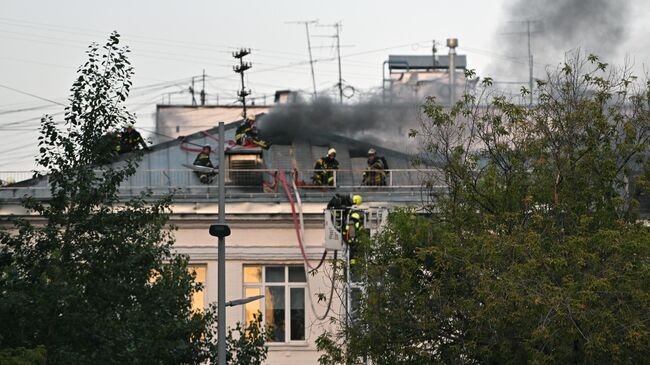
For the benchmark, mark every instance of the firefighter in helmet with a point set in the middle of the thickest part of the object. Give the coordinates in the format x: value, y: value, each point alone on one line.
x: 130, y: 140
x: 354, y: 229
x: 203, y: 159
x: 340, y: 205
x: 323, y: 170
x: 246, y: 133
x: 375, y: 174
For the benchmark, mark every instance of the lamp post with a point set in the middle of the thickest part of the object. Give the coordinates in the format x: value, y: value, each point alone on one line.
x: 221, y: 230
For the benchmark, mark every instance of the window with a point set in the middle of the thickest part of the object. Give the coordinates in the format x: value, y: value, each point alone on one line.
x: 198, y: 297
x: 283, y: 305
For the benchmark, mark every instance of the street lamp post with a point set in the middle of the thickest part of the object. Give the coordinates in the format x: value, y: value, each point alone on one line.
x: 221, y: 230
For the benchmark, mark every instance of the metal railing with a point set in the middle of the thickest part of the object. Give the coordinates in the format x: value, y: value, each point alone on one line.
x: 186, y: 181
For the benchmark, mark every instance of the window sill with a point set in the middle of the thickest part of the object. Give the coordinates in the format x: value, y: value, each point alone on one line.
x: 288, y: 346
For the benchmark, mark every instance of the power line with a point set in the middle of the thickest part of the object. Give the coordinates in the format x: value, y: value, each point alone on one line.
x: 30, y: 94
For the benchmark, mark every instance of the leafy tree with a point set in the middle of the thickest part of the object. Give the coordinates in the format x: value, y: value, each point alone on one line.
x: 530, y: 250
x: 94, y: 280
x: 23, y: 356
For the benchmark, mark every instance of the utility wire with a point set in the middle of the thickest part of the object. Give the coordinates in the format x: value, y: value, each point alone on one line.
x: 30, y: 94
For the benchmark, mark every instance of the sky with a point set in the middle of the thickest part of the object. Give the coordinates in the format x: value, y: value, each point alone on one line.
x: 43, y: 43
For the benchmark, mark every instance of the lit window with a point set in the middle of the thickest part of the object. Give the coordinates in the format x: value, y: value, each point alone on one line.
x: 283, y: 305
x: 198, y: 297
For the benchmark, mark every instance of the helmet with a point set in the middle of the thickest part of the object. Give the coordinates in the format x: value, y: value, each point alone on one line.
x: 356, y: 199
x: 331, y: 151
x: 372, y: 151
x: 251, y: 117
x: 355, y: 215
x: 207, y: 146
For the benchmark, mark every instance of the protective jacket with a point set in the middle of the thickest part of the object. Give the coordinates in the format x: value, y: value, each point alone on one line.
x: 375, y: 174
x: 247, y: 133
x: 246, y: 129
x: 130, y: 140
x: 353, y: 230
x: 340, y: 206
x: 203, y: 159
x: 323, y: 174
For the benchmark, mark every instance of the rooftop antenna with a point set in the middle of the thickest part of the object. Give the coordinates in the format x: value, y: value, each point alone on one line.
x: 240, y: 69
x: 192, y: 92
x: 338, y: 26
x: 529, y: 34
x: 433, y: 55
x: 311, y: 60
x: 202, y: 94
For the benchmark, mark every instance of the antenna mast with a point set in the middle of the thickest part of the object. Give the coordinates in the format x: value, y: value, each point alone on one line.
x: 240, y: 69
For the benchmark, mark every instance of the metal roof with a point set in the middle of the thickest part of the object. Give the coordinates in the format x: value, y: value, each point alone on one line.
x: 424, y: 62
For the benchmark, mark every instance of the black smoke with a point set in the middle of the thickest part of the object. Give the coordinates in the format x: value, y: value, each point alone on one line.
x: 324, y: 122
x: 557, y: 27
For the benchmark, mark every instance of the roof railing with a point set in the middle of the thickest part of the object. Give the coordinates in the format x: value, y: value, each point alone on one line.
x: 16, y: 184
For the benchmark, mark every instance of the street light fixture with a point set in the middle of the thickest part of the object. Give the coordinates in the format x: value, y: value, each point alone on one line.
x: 241, y: 301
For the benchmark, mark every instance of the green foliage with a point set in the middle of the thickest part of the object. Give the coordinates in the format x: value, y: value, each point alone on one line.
x: 246, y: 345
x: 94, y: 280
x: 23, y: 356
x: 533, y: 252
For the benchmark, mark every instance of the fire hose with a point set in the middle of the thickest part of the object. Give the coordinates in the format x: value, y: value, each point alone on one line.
x: 299, y: 234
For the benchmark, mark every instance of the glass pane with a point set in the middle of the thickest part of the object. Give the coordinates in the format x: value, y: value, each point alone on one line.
x: 253, y: 307
x: 297, y: 274
x: 275, y: 274
x: 297, y: 314
x: 274, y: 313
x: 198, y: 297
x: 252, y: 274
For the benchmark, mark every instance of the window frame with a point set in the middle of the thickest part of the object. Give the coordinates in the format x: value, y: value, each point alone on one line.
x: 287, y: 285
x: 203, y: 293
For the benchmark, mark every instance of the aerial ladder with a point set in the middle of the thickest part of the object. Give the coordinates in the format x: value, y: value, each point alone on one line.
x: 373, y: 220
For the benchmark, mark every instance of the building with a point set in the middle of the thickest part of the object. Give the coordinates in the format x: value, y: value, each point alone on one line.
x: 413, y: 77
x: 263, y: 253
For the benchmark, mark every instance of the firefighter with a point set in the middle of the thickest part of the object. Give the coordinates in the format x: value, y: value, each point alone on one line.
x: 375, y: 174
x: 353, y: 231
x: 323, y: 174
x: 246, y: 133
x: 340, y: 206
x: 130, y: 140
x: 203, y: 159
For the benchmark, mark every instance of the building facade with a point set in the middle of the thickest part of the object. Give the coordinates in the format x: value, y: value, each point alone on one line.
x: 277, y: 221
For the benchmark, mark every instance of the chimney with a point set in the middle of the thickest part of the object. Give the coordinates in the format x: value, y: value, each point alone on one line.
x: 452, y: 43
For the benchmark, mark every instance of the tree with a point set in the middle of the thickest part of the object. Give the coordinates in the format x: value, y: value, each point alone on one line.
x: 23, y: 356
x: 95, y: 281
x: 531, y: 249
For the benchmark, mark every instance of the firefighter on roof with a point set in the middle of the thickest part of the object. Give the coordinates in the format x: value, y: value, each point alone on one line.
x: 131, y: 140
x: 375, y: 173
x: 203, y: 159
x: 323, y: 174
x: 246, y: 134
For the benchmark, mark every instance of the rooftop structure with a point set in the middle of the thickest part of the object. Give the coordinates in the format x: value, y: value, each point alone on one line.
x: 269, y: 200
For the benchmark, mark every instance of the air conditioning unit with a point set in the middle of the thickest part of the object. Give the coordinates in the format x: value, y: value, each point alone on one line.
x: 244, y: 170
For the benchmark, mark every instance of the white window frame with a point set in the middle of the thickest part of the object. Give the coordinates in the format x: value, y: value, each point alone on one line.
x: 287, y: 299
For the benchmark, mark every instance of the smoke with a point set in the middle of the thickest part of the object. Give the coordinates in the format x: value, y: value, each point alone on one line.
x: 324, y: 121
x: 557, y: 26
